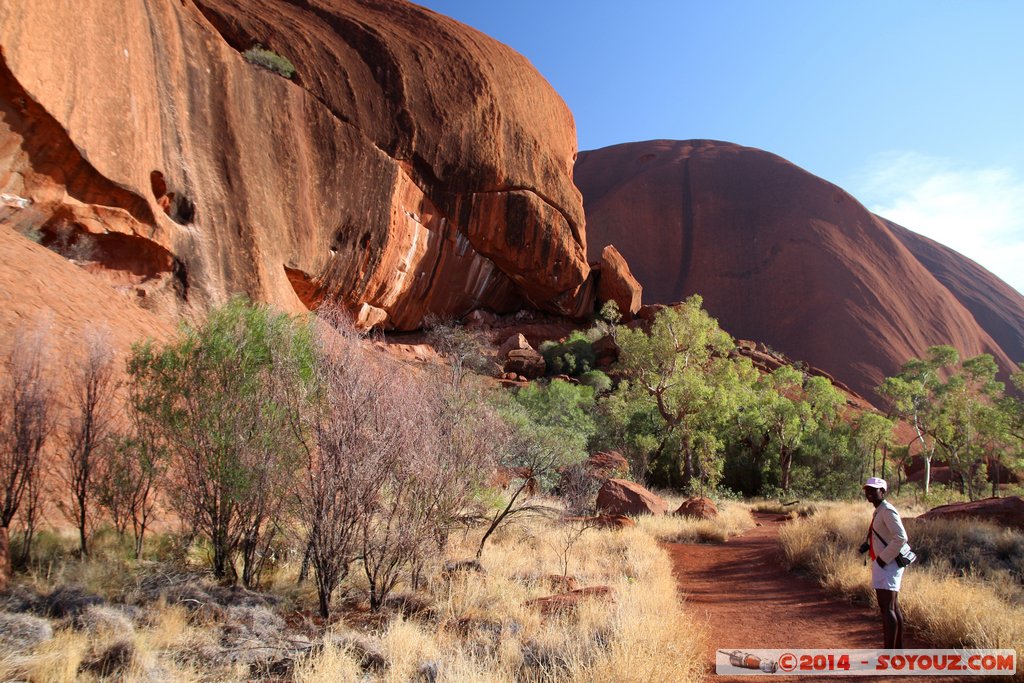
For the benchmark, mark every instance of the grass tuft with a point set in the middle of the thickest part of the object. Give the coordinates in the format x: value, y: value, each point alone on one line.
x: 270, y: 60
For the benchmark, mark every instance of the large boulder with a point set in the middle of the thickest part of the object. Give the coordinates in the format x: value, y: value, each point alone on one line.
x: 791, y: 260
x: 410, y: 165
x: 697, y: 507
x: 570, y: 600
x: 526, y: 362
x: 939, y: 474
x: 622, y: 497
x: 617, y: 284
x: 1007, y: 512
x: 516, y: 342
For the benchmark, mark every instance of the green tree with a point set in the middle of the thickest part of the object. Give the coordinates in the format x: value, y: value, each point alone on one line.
x: 871, y: 432
x: 794, y: 409
x: 1011, y: 408
x: 222, y: 395
x: 968, y: 425
x: 564, y: 409
x: 533, y: 446
x: 912, y: 397
x: 960, y: 414
x: 683, y: 368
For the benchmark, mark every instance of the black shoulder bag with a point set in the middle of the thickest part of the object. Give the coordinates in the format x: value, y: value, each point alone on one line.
x: 906, y: 556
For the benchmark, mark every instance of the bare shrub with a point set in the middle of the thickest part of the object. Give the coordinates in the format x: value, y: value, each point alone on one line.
x: 341, y: 475
x: 26, y: 421
x: 463, y: 349
x: 88, y: 430
x: 578, y: 488
x: 569, y: 532
x: 393, y: 463
x: 126, y: 486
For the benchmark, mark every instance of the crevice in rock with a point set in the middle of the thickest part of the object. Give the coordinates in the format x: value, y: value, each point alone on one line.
x: 119, y: 258
x: 308, y: 291
x: 51, y: 152
x: 178, y: 207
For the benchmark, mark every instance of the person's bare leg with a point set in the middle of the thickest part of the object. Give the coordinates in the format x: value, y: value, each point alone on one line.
x: 898, y: 642
x: 890, y: 622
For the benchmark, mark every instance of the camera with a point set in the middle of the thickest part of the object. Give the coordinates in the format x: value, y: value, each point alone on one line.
x: 863, y: 547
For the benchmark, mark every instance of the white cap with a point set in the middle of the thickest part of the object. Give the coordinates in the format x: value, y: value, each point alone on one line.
x: 876, y: 483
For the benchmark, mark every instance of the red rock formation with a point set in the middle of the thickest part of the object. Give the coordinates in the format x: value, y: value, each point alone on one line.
x: 697, y: 507
x: 607, y: 465
x: 39, y: 286
x: 526, y: 362
x: 778, y: 254
x: 1008, y: 512
x: 622, y: 497
x: 516, y: 342
x: 398, y: 172
x: 617, y: 284
x: 998, y: 307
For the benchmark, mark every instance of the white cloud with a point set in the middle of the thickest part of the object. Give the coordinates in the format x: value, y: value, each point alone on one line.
x: 978, y: 212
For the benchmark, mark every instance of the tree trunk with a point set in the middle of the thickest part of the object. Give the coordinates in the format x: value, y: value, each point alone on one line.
x: 927, y: 474
x: 304, y: 568
x: 5, y: 557
x: 687, y: 469
x: 785, y: 461
x: 84, y: 549
x: 323, y: 594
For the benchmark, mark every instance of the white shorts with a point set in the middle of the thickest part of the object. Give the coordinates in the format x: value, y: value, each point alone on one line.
x: 888, y: 578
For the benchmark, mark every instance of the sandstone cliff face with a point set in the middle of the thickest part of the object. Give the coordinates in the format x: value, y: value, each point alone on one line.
x: 780, y: 256
x: 412, y: 166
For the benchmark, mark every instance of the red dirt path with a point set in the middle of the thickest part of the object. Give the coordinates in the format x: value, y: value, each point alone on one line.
x: 751, y: 601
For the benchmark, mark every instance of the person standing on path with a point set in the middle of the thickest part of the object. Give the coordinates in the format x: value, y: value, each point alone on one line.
x: 885, y: 541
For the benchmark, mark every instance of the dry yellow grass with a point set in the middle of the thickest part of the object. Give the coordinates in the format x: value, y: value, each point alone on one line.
x: 486, y: 631
x: 477, y: 626
x: 946, y: 609
x: 55, y: 661
x: 733, y: 518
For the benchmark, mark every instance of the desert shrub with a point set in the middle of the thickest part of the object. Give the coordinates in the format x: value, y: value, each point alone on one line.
x: 596, y: 380
x: 794, y: 508
x: 565, y: 410
x: 463, y: 349
x: 270, y: 60
x: 573, y: 356
x: 19, y: 632
x: 971, y: 548
x: 393, y: 462
x: 226, y: 396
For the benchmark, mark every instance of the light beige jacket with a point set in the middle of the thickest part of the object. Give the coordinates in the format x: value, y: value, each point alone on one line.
x: 889, y: 526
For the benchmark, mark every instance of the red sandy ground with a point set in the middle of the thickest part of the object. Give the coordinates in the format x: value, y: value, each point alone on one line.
x: 750, y: 601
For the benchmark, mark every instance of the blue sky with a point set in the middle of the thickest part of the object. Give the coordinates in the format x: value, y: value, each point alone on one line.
x: 915, y: 107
